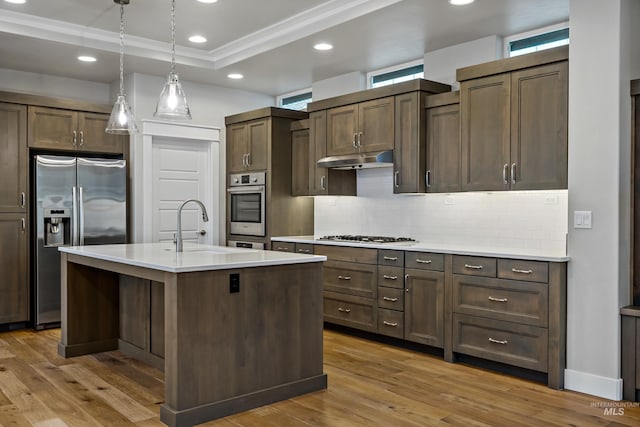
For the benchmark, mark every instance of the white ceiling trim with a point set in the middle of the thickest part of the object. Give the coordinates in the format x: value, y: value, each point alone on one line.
x: 304, y: 24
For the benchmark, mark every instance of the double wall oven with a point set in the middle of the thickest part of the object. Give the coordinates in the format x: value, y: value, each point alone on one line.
x: 247, y: 213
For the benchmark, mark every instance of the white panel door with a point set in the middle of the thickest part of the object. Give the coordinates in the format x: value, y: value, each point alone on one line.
x: 180, y: 172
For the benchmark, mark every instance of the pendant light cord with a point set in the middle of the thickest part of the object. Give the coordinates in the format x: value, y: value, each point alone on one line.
x: 173, y: 36
x: 121, y: 49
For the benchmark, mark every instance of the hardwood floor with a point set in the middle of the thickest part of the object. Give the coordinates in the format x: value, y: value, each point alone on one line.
x: 370, y: 384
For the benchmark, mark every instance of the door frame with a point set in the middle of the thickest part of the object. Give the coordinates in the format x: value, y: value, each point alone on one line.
x: 154, y: 131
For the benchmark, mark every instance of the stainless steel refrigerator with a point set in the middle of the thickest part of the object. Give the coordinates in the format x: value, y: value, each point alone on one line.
x: 78, y: 201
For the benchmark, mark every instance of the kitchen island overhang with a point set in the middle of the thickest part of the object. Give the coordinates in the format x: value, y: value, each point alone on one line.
x: 241, y: 328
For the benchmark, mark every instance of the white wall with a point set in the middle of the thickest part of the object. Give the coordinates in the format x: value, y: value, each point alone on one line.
x: 208, y: 105
x: 46, y: 85
x: 440, y: 65
x: 599, y: 182
x: 339, y: 85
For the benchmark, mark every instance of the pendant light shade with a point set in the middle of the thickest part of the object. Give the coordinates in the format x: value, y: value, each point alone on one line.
x: 121, y: 121
x: 172, y: 103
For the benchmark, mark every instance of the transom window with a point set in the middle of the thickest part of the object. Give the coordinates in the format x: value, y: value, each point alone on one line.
x: 397, y: 74
x: 536, y: 41
x: 296, y: 100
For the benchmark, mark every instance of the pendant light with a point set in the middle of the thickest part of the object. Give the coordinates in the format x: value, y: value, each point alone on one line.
x: 121, y: 120
x: 172, y: 104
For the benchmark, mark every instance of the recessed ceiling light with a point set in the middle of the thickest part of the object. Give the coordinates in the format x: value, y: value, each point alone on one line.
x: 207, y: 1
x: 85, y: 58
x: 16, y: 1
x: 461, y: 2
x: 323, y: 46
x: 235, y: 76
x: 197, y: 39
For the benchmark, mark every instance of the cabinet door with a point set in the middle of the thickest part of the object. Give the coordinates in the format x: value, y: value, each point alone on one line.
x: 13, y: 157
x: 484, y: 117
x: 14, y: 284
x: 424, y: 307
x: 539, y: 99
x: 409, y: 152
x: 92, y: 137
x: 237, y: 147
x: 376, y: 125
x: 53, y: 128
x: 443, y: 149
x: 342, y: 126
x: 300, y: 162
x: 258, y: 144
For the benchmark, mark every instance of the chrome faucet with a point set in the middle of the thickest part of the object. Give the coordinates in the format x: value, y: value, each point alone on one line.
x: 205, y: 218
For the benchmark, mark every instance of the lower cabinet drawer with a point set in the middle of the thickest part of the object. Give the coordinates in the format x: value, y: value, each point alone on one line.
x: 351, y: 278
x: 391, y: 298
x: 283, y: 246
x: 391, y: 323
x: 506, y: 342
x: 356, y: 312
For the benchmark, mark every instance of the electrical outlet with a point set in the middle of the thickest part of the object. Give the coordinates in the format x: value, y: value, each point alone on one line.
x: 551, y: 200
x: 234, y: 283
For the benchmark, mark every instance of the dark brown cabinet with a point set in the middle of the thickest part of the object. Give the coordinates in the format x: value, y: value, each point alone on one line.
x: 300, y: 159
x: 363, y: 127
x: 443, y: 143
x: 14, y: 283
x: 59, y: 129
x: 424, y: 303
x: 13, y: 158
x: 409, y: 152
x: 247, y: 146
x: 513, y: 116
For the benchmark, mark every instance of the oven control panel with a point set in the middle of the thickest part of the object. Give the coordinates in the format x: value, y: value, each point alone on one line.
x: 253, y: 178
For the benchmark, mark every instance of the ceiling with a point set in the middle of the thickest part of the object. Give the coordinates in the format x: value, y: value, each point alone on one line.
x: 269, y: 42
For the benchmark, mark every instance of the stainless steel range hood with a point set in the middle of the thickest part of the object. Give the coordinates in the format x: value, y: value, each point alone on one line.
x: 358, y: 161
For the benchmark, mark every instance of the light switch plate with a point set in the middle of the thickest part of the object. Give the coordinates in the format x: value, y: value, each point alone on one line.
x: 582, y: 219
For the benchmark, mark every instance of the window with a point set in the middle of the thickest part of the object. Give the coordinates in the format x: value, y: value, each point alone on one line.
x: 295, y: 100
x: 534, y: 41
x: 397, y: 74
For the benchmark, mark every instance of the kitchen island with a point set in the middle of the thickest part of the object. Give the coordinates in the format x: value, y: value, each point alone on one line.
x: 232, y: 328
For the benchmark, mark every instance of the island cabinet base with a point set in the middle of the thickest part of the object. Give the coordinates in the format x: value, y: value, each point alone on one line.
x: 233, y: 339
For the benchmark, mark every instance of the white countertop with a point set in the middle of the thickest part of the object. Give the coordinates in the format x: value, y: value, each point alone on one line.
x: 163, y: 256
x: 528, y: 254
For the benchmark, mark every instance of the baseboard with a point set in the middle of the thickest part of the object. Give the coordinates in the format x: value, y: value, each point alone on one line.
x: 595, y: 385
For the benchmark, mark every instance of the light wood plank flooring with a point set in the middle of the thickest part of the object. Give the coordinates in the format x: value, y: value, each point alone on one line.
x: 370, y: 384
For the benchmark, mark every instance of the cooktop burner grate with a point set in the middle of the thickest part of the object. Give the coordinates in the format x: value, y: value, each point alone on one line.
x: 367, y: 239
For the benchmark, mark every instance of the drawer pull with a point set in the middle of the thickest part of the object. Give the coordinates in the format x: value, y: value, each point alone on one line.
x: 390, y: 299
x: 390, y: 258
x: 498, y: 299
x: 304, y: 251
x: 473, y: 267
x: 390, y: 277
x: 423, y: 261
x: 344, y: 277
x: 393, y: 324
x: 497, y: 341
x: 517, y: 270
x: 280, y: 248
x: 344, y: 310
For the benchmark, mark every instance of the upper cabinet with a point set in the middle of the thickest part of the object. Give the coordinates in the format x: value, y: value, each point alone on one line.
x: 60, y: 129
x: 247, y: 147
x: 364, y: 127
x: 300, y: 158
x: 513, y: 122
x: 13, y: 157
x: 443, y: 143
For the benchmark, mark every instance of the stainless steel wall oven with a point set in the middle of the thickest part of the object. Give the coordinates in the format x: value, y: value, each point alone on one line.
x: 247, y: 199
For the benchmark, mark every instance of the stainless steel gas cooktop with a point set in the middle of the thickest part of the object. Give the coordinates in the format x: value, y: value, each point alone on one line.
x: 367, y: 239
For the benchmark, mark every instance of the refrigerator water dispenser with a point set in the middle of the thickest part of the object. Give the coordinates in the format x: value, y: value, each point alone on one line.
x: 57, y: 227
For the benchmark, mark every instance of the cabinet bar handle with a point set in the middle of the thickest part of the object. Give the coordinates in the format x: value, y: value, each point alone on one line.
x: 23, y: 199
x: 423, y: 261
x: 390, y: 258
x: 23, y: 224
x: 280, y: 248
x: 393, y: 324
x: 344, y: 277
x: 304, y: 251
x: 473, y: 267
x: 323, y: 180
x: 390, y: 277
x: 359, y: 139
x: 497, y: 341
x: 355, y: 135
x: 248, y: 159
x: 427, y: 178
x: 390, y: 299
x: 81, y: 138
x: 517, y: 270
x: 396, y: 181
x: 75, y: 134
x: 498, y: 299
x: 344, y: 310
x: 513, y: 173
x: 504, y: 173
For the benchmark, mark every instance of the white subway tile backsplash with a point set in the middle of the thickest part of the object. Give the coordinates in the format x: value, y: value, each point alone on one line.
x: 507, y: 220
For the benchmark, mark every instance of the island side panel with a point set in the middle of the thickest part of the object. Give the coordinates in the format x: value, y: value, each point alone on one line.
x: 227, y: 352
x: 89, y: 309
